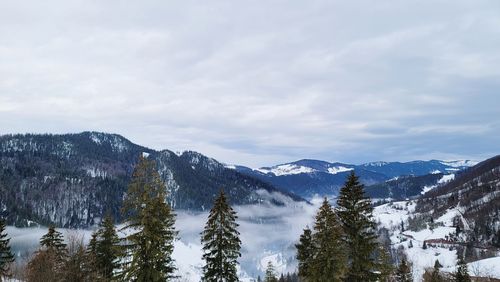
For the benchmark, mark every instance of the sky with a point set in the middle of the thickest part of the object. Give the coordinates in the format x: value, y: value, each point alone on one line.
x: 259, y: 82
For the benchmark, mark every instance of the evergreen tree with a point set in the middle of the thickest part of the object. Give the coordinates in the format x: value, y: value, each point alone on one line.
x: 270, y: 273
x: 107, y: 248
x: 49, y: 262
x: 90, y: 266
x: 437, y: 264
x: 305, y: 253
x: 355, y: 213
x: 104, y: 250
x: 461, y: 274
x: 221, y: 243
x: 384, y: 264
x: 404, y: 273
x: 149, y: 250
x: 6, y: 256
x: 53, y: 242
x: 328, y: 262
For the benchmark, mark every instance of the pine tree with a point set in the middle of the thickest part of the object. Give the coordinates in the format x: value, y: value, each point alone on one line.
x: 49, y: 262
x: 149, y: 250
x: 221, y: 243
x: 90, y: 265
x: 404, y: 273
x: 305, y: 253
x: 461, y: 274
x: 6, y: 256
x: 328, y: 262
x: 270, y: 273
x: 355, y: 213
x: 53, y: 242
x: 105, y: 248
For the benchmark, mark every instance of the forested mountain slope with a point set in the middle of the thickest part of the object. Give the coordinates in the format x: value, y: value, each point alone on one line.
x: 475, y: 195
x: 71, y: 180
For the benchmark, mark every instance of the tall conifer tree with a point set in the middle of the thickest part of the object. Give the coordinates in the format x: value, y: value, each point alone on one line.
x: 105, y: 247
x: 53, y: 242
x: 328, y: 262
x: 6, y: 256
x: 149, y: 249
x: 461, y: 274
x: 49, y: 262
x: 221, y: 243
x: 270, y: 273
x: 355, y: 213
x: 305, y: 253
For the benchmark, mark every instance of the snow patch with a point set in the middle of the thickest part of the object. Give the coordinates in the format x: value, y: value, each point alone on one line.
x: 460, y: 163
x: 446, y: 178
x: 338, y: 169
x: 286, y: 169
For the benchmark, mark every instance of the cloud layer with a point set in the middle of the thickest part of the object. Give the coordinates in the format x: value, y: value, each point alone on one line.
x: 259, y: 83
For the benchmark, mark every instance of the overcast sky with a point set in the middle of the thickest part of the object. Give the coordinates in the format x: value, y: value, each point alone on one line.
x: 259, y: 82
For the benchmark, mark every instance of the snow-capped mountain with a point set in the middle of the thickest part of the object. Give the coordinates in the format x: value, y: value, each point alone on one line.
x: 71, y: 180
x: 307, y: 178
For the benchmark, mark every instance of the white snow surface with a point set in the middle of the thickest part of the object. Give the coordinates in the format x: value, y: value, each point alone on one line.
x: 460, y: 163
x: 446, y: 178
x: 337, y: 169
x: 287, y: 169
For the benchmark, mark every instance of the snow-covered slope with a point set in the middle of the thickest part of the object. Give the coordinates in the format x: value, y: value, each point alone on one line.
x: 442, y: 242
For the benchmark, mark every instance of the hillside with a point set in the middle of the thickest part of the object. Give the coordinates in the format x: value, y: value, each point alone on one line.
x: 409, y: 186
x: 72, y: 179
x: 475, y: 196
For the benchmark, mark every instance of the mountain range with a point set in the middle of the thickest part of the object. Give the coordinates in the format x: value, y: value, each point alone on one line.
x: 71, y: 180
x: 307, y: 178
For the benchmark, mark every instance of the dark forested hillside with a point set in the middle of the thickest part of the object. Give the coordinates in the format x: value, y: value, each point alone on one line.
x: 475, y: 194
x: 73, y: 179
x: 403, y: 187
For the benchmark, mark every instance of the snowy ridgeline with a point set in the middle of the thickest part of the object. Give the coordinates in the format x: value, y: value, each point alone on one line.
x: 269, y: 234
x: 391, y: 215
